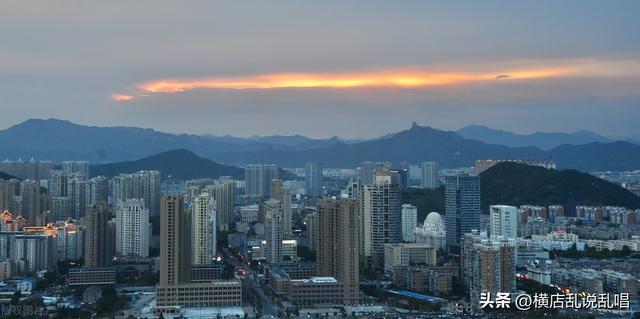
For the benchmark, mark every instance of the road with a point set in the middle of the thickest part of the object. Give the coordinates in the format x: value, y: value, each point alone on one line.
x: 268, y: 308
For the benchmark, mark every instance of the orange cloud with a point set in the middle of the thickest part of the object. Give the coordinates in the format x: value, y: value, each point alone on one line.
x: 416, y: 78
x: 386, y: 79
x: 122, y: 97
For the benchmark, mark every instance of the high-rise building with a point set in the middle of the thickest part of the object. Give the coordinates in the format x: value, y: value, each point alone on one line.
x: 77, y: 193
x: 462, y: 208
x: 430, y: 175
x: 313, y: 179
x: 76, y: 168
x: 32, y: 169
x: 175, y: 288
x: 30, y: 194
x: 351, y: 191
x: 409, y: 222
x: 366, y: 172
x: 195, y: 187
x: 380, y: 219
x: 35, y: 250
x: 149, y: 188
x: 258, y: 179
x: 121, y: 188
x: 503, y: 221
x: 223, y: 194
x: 175, y: 246
x: 7, y: 191
x: 132, y: 228
x: 555, y: 211
x: 17, y: 204
x: 97, y: 190
x: 67, y: 237
x: 368, y: 169
x: 273, y: 230
x: 69, y: 241
x: 281, y: 194
x: 61, y: 209
x: 488, y: 265
x: 57, y: 184
x: 400, y: 177
x: 142, y: 184
x: 252, y: 182
x: 204, y: 229
x: 97, y: 247
x: 311, y: 223
x: 339, y: 244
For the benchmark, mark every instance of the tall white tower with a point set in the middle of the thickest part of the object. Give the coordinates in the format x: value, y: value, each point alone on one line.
x: 204, y: 229
x: 409, y: 222
x: 132, y: 228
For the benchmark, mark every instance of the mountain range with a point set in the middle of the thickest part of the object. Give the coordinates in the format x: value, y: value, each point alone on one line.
x: 542, y: 140
x: 59, y: 140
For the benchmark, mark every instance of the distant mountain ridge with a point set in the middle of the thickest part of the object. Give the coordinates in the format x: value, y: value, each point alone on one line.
x: 542, y: 140
x: 59, y: 140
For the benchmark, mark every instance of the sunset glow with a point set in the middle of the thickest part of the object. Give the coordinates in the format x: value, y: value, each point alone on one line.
x: 407, y: 78
x: 390, y: 79
x: 122, y: 97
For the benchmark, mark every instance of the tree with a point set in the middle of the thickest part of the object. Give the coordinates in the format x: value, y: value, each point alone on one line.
x: 305, y: 253
x: 110, y: 302
x: 15, y: 299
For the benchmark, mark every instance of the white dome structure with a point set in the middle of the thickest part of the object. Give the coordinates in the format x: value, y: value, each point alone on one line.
x: 433, y: 222
x: 432, y: 231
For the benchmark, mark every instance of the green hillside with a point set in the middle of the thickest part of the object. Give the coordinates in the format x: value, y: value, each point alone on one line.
x: 519, y: 184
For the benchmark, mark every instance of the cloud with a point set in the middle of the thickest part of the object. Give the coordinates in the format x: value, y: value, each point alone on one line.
x: 122, y: 97
x: 400, y: 78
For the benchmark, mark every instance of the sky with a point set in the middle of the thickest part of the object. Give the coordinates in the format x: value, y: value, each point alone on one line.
x: 323, y: 68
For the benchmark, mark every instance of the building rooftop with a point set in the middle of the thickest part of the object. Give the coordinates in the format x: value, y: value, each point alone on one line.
x: 323, y: 279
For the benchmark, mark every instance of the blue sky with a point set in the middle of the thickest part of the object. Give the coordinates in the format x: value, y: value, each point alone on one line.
x: 278, y: 67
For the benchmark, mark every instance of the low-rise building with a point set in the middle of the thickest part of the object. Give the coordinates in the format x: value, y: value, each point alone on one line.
x: 619, y: 282
x: 539, y: 272
x: 315, y: 291
x: 405, y: 254
x: 289, y: 249
x: 6, y: 269
x: 91, y: 276
x: 557, y: 240
x: 206, y: 272
x: 227, y: 293
x: 436, y: 280
x: 299, y: 270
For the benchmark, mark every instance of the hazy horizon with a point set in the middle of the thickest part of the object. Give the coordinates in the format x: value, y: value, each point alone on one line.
x: 348, y: 138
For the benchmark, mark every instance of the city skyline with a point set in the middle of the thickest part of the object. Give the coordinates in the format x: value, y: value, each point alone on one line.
x: 243, y: 70
x: 292, y: 159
